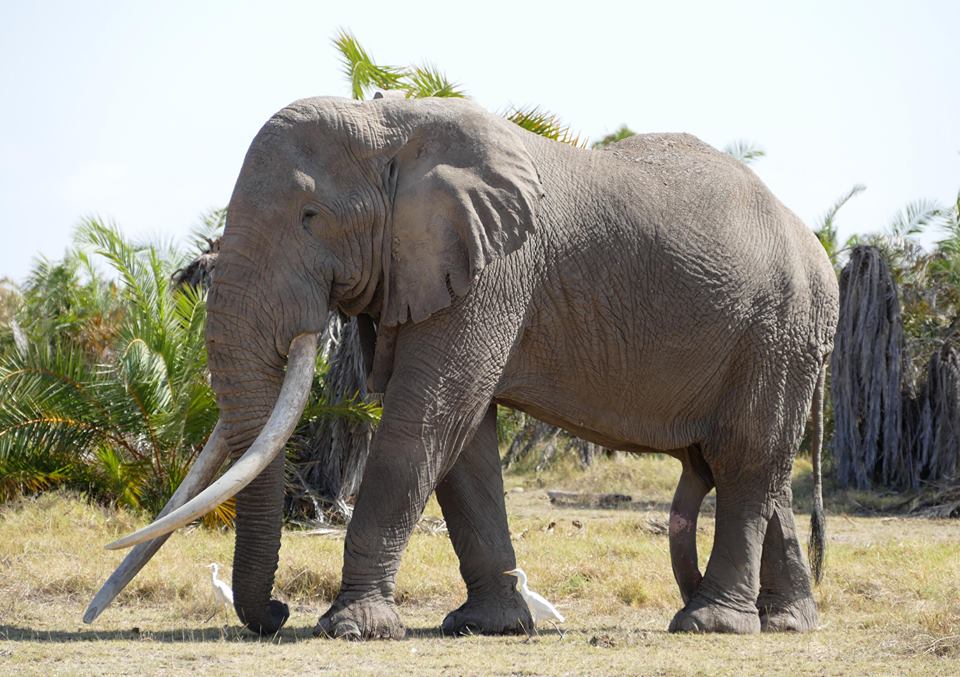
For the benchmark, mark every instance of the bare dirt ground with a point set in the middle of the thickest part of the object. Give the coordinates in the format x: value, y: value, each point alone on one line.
x: 890, y: 603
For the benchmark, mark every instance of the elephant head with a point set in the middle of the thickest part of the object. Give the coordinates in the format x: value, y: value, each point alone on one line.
x: 389, y: 208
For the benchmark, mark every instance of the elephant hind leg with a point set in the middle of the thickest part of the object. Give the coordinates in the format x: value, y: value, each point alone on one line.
x: 726, y: 599
x: 695, y: 483
x: 786, y: 601
x: 471, y: 498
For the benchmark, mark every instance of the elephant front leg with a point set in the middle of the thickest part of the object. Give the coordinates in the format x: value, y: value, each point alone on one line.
x: 399, y: 476
x: 471, y: 497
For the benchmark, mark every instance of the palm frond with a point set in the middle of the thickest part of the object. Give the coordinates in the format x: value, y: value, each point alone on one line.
x: 360, y: 69
x: 745, y: 151
x: 27, y: 476
x: 914, y: 218
x: 950, y: 227
x: 209, y: 228
x: 427, y: 80
x: 536, y: 120
x: 826, y: 221
x: 353, y: 409
x: 125, y: 480
x: 826, y: 229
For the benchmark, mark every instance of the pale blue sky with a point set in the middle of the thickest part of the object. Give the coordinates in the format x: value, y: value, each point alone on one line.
x: 141, y: 112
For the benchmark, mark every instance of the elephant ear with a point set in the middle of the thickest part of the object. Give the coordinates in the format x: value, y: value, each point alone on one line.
x: 466, y: 193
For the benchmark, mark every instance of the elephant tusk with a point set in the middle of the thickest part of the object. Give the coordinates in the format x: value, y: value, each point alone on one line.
x: 301, y: 364
x: 202, y: 472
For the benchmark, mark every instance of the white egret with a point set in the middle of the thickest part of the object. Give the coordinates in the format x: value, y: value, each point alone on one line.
x: 221, y: 591
x: 540, y: 608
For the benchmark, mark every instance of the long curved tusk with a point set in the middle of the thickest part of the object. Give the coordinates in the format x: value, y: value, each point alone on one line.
x: 202, y: 472
x: 301, y: 364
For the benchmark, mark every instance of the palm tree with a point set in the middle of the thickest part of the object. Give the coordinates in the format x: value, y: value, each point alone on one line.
x: 897, y: 424
x: 117, y: 411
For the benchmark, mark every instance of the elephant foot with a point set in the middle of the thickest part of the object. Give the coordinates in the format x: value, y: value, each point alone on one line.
x: 359, y: 619
x: 277, y: 615
x: 796, y: 616
x: 490, y: 616
x: 700, y: 615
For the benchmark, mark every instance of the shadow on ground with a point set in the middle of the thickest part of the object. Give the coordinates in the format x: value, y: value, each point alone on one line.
x: 16, y: 633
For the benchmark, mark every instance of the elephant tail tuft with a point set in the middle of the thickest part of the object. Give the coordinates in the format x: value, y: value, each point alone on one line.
x: 818, y: 524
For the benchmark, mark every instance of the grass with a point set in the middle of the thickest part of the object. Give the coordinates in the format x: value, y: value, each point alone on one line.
x: 889, y: 604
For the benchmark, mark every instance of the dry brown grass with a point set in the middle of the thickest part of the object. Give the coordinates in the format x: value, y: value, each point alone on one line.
x: 889, y: 605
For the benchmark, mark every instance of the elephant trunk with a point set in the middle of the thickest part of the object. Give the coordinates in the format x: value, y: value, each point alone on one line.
x: 257, y: 551
x: 247, y: 395
x: 247, y: 373
x: 260, y: 405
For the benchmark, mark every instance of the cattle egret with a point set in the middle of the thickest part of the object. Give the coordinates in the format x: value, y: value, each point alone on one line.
x: 221, y: 591
x: 540, y: 608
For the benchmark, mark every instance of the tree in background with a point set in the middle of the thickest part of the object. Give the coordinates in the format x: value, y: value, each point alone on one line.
x: 619, y: 134
x: 108, y: 392
x: 897, y: 423
x: 103, y: 383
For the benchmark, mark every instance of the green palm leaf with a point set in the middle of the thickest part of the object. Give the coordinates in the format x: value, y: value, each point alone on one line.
x: 360, y: 69
x: 425, y: 81
x: 536, y: 120
x: 745, y: 151
x: 914, y: 218
x: 619, y: 134
x: 826, y: 228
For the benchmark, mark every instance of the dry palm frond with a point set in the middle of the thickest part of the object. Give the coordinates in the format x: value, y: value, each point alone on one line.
x: 199, y: 272
x: 888, y: 431
x: 866, y: 376
x: 932, y: 419
x: 330, y: 451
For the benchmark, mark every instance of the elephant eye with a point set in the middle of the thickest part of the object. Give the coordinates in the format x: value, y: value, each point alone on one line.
x: 308, y: 216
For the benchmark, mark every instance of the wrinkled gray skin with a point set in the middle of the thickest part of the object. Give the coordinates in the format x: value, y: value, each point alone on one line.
x: 654, y: 296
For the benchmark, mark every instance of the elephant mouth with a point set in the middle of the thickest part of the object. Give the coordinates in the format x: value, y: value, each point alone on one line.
x: 194, y: 498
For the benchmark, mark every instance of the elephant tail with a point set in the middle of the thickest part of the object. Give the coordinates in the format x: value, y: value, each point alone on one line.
x: 818, y: 525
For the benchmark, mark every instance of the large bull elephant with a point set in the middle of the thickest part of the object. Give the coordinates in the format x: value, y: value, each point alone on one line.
x: 654, y: 296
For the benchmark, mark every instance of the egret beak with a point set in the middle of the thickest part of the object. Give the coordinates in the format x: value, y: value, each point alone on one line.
x: 512, y: 572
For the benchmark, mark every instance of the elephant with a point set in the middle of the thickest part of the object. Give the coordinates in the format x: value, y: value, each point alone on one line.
x: 650, y: 297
